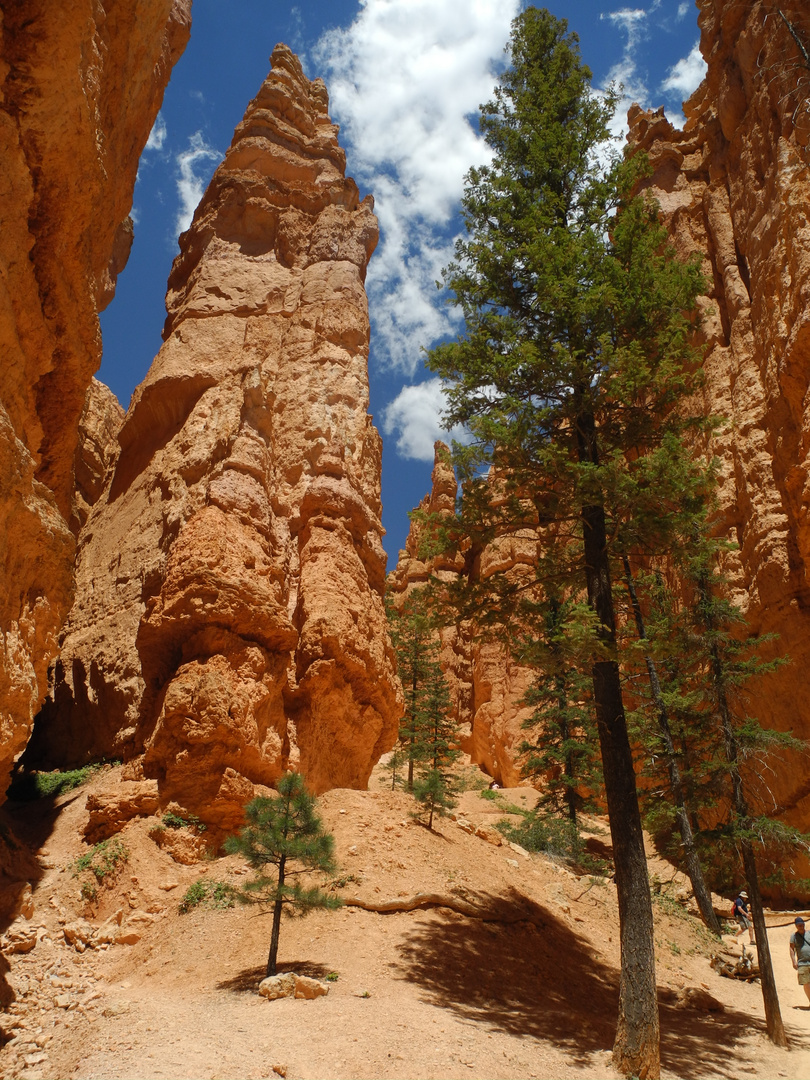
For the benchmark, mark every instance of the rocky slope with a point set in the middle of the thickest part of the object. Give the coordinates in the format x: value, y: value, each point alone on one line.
x: 123, y: 985
x: 734, y: 185
x: 228, y: 621
x: 80, y: 85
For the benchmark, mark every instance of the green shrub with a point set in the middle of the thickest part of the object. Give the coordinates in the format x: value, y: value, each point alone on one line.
x: 102, y: 860
x: 40, y: 785
x: 214, y: 894
x: 174, y: 821
x: 333, y: 976
x: 555, y: 836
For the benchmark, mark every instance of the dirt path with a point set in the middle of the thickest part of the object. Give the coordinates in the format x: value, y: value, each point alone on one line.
x: 529, y: 992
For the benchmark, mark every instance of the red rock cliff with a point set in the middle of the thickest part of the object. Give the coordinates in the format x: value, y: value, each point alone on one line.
x: 81, y: 82
x: 486, y: 685
x: 228, y: 621
x: 734, y: 185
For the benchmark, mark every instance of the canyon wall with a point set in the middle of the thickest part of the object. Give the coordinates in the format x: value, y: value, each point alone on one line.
x: 734, y: 185
x: 228, y: 621
x: 486, y: 685
x: 81, y: 83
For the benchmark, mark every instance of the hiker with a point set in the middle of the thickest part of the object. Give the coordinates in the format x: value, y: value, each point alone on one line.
x: 740, y: 912
x: 800, y: 954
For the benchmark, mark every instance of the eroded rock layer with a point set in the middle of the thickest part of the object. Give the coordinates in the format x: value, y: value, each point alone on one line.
x: 486, y: 686
x: 81, y: 82
x: 228, y: 621
x: 734, y: 185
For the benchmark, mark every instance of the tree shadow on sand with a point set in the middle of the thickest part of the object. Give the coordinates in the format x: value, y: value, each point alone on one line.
x: 523, y: 971
x: 247, y: 981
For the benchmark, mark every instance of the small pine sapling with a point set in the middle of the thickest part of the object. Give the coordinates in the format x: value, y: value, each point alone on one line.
x: 435, y: 747
x: 284, y: 838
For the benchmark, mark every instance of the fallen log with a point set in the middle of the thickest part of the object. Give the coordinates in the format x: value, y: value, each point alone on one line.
x: 743, y: 968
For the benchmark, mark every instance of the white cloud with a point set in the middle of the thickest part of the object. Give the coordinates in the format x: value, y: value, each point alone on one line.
x: 157, y: 136
x: 192, y: 177
x: 625, y: 73
x: 686, y: 76
x: 403, y: 79
x: 414, y: 416
x: 684, y: 9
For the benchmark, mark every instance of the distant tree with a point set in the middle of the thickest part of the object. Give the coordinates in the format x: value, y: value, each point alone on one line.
x: 664, y: 743
x: 284, y: 838
x: 562, y: 749
x: 435, y: 747
x: 729, y: 664
x: 414, y: 635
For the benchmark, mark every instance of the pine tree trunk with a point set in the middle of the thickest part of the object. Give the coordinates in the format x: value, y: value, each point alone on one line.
x: 770, y: 999
x: 636, y: 1050
x: 691, y: 859
x: 274, y: 936
x: 568, y: 770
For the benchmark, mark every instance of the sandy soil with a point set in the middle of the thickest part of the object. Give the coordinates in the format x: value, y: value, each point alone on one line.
x: 530, y: 990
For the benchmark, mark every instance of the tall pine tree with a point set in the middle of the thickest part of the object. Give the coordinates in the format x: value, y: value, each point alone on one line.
x: 575, y: 357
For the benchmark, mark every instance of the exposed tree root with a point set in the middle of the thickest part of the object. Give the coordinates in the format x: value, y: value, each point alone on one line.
x: 445, y: 900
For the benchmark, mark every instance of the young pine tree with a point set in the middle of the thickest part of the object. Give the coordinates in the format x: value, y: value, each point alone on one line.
x: 435, y: 747
x: 575, y: 356
x: 284, y: 838
x: 415, y: 639
x: 428, y: 734
x: 562, y: 749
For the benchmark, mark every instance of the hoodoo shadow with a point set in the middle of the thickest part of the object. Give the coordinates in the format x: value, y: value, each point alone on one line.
x: 24, y: 827
x: 695, y: 1045
x: 523, y: 971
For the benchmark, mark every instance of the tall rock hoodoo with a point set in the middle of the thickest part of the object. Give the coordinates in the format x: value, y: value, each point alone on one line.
x: 81, y: 83
x: 734, y: 185
x: 229, y: 622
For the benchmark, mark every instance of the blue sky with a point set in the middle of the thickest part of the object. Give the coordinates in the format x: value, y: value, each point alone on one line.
x: 405, y: 79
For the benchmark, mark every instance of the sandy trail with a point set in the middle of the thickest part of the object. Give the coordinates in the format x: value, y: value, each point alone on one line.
x: 420, y: 995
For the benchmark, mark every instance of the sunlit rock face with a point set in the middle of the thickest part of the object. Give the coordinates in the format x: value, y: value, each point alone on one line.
x: 734, y: 185
x: 229, y: 622
x: 486, y: 685
x: 81, y: 82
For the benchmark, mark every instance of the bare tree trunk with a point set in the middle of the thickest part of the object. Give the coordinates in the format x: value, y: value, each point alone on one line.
x: 691, y: 860
x: 636, y: 1050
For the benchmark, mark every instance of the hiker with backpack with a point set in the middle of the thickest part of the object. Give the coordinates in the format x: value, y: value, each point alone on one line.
x: 741, y: 914
x: 800, y: 954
